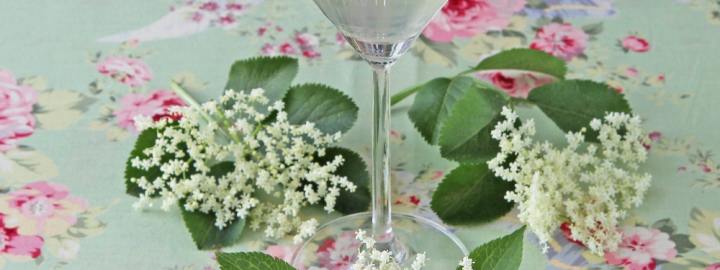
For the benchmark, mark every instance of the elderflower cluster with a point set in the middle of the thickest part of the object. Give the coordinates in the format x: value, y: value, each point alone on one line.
x: 591, y: 187
x: 268, y: 158
x: 371, y: 259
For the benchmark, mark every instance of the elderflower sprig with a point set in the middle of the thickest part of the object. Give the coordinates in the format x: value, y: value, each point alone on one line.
x: 270, y: 158
x: 591, y: 187
x: 371, y: 259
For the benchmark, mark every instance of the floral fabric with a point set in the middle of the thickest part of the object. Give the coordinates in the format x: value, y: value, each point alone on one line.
x: 74, y: 73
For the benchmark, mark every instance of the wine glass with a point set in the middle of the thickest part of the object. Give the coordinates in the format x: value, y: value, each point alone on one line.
x: 381, y: 31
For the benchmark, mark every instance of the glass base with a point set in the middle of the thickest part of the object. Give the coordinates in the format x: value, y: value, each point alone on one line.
x: 334, y: 246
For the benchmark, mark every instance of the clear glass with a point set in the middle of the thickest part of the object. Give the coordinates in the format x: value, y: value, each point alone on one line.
x: 381, y: 31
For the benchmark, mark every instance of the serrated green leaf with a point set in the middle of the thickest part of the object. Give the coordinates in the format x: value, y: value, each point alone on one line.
x: 202, y: 226
x: 526, y: 60
x: 500, y: 254
x: 433, y: 104
x: 250, y: 261
x: 145, y: 140
x: 355, y: 170
x: 328, y: 108
x: 471, y: 194
x: 274, y: 74
x: 465, y: 134
x: 572, y: 104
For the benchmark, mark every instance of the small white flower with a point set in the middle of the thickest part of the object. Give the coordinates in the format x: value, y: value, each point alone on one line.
x: 466, y: 263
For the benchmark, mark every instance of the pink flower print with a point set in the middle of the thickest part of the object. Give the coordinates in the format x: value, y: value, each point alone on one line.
x: 16, y: 104
x: 42, y: 208
x: 306, y: 40
x: 262, y: 30
x: 286, y: 48
x: 714, y: 266
x: 311, y: 53
x: 197, y: 17
x: 338, y: 254
x: 467, y: 18
x: 631, y: 72
x: 561, y: 40
x: 640, y: 247
x: 515, y: 84
x: 156, y: 104
x: 227, y: 20
x: 655, y: 136
x: 268, y: 49
x: 234, y: 6
x: 129, y: 71
x: 634, y: 43
x: 14, y: 244
x: 210, y: 6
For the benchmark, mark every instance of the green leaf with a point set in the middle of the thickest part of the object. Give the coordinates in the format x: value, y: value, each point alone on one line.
x: 471, y: 194
x: 465, y: 134
x: 682, y: 242
x: 526, y: 60
x: 145, y: 140
x: 593, y: 29
x: 250, y: 261
x: 274, y: 74
x: 202, y: 225
x: 500, y: 254
x: 355, y: 170
x: 328, y: 108
x: 665, y: 225
x: 572, y: 104
x: 434, y: 102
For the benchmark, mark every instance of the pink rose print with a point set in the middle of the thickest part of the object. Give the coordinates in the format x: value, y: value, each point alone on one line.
x: 129, y: 71
x: 224, y: 14
x: 634, y: 43
x: 561, y: 40
x: 302, y: 44
x: 714, y: 266
x: 156, y: 104
x: 640, y: 247
x: 16, y: 105
x: 338, y: 254
x: 515, y: 85
x: 14, y: 244
x: 42, y: 208
x: 467, y: 18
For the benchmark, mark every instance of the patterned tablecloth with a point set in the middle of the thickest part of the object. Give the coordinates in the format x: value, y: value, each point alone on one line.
x: 73, y: 73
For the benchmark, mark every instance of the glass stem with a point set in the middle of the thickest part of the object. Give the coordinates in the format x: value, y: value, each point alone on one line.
x: 381, y: 189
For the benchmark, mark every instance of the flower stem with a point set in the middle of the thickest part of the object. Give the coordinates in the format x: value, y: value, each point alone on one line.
x: 195, y: 105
